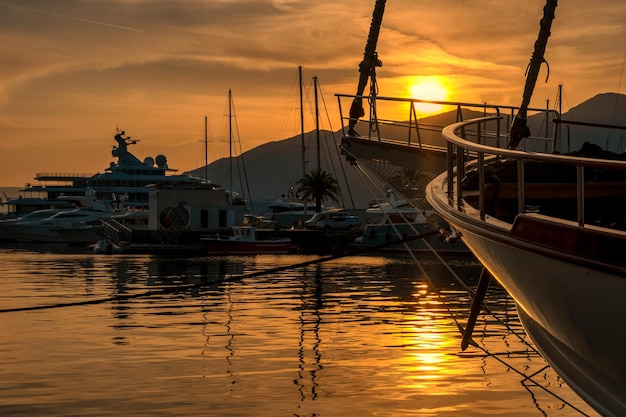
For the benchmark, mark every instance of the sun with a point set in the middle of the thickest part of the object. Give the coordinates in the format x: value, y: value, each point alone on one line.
x: 429, y: 89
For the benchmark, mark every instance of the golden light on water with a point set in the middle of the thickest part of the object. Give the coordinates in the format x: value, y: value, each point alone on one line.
x: 430, y: 88
x: 429, y: 354
x: 429, y: 359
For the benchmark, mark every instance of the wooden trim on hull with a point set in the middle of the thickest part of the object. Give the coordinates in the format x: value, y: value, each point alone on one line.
x: 530, y: 237
x: 587, y: 242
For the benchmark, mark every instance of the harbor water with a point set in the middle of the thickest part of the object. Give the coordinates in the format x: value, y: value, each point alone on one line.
x: 83, y: 334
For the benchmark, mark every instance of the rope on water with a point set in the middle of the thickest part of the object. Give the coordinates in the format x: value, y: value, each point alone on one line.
x: 228, y: 278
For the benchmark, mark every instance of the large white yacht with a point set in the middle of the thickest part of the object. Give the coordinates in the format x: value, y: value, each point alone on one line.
x: 127, y: 177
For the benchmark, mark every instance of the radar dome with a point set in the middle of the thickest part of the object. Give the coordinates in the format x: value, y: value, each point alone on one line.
x: 161, y: 161
x: 149, y: 161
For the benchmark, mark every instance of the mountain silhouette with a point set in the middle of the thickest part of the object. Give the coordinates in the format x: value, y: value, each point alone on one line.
x: 606, y: 108
x: 273, y: 168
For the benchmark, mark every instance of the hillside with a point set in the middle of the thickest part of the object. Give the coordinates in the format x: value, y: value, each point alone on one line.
x: 272, y: 168
x: 606, y: 108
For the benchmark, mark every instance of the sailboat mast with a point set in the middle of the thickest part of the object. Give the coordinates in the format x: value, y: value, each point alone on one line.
x: 317, y: 124
x: 206, y: 150
x: 367, y: 67
x: 519, y: 128
x: 556, y: 143
x: 302, y: 123
x: 230, y: 145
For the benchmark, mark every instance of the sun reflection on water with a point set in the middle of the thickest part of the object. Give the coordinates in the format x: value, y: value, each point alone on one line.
x: 432, y: 338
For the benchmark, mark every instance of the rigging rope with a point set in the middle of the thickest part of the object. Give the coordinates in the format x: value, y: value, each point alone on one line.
x: 404, y: 241
x: 354, y: 162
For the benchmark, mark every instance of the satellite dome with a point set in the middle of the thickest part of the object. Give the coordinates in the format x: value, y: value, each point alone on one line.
x: 149, y: 161
x: 161, y: 160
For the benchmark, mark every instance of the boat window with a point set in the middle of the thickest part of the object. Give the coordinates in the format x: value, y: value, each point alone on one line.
x: 204, y: 219
x: 222, y: 219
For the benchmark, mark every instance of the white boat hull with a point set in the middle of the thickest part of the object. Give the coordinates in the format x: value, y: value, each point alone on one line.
x: 34, y: 233
x: 574, y: 312
x: 79, y: 235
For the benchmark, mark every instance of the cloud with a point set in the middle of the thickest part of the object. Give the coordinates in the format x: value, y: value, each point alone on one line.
x: 77, y: 68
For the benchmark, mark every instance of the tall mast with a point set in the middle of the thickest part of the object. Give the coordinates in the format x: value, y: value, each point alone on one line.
x: 302, y: 123
x: 206, y: 150
x: 367, y: 67
x: 317, y: 125
x: 519, y: 128
x: 557, y: 133
x: 230, y: 144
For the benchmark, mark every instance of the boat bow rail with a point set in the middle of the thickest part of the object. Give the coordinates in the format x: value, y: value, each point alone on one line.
x: 395, y: 120
x: 465, y: 154
x: 551, y: 228
x: 394, y: 141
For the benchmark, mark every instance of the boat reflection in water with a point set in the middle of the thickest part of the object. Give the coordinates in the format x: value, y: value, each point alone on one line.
x: 239, y: 335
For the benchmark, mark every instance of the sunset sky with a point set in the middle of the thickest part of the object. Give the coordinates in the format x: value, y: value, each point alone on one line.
x: 73, y: 71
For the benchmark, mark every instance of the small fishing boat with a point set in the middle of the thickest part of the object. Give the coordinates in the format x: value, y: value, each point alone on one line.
x: 244, y: 242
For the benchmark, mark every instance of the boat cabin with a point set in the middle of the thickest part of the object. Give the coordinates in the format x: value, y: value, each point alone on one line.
x: 200, y: 207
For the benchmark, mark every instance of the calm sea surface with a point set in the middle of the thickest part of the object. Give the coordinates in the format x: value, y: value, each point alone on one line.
x: 138, y: 335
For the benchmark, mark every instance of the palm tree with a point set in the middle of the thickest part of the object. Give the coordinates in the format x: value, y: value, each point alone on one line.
x: 319, y: 185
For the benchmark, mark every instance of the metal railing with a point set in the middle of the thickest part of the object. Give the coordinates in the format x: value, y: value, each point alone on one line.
x: 459, y: 147
x: 399, y: 118
x: 115, y: 231
x: 64, y: 175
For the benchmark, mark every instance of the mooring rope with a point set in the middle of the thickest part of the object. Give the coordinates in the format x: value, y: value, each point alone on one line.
x: 352, y: 252
x: 228, y: 278
x: 360, y: 170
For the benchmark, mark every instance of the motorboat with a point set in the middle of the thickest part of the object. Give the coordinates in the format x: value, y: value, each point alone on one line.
x: 45, y: 226
x: 393, y: 218
x: 5, y: 224
x: 382, y: 233
x: 286, y: 212
x: 244, y: 241
x: 392, y: 209
x: 90, y: 232
x: 47, y: 230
